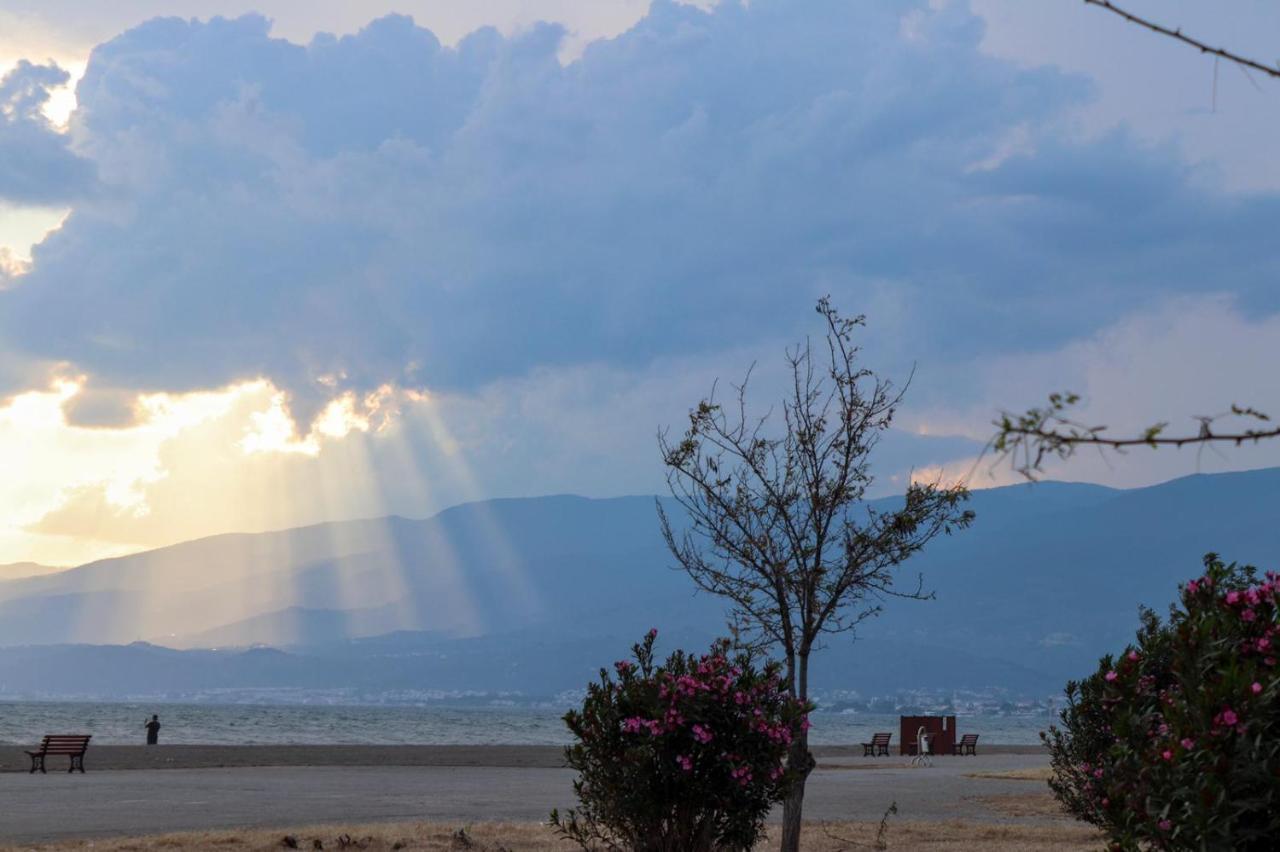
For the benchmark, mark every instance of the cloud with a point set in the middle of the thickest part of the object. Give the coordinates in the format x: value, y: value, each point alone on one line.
x: 37, y: 165
x: 381, y: 208
x: 72, y: 27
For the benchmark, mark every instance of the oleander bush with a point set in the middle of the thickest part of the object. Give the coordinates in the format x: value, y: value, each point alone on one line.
x: 1176, y: 743
x: 688, y: 755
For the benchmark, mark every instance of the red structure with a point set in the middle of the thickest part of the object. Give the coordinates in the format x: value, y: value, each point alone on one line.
x: 941, y: 731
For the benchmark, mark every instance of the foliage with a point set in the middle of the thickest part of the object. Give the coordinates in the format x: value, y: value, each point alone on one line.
x: 1176, y: 744
x: 688, y: 755
x: 778, y: 524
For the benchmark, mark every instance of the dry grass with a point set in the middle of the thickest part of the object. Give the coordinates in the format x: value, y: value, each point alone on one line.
x: 1023, y: 805
x: 951, y: 836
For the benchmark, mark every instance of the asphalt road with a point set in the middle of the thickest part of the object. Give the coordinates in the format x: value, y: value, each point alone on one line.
x: 131, y: 802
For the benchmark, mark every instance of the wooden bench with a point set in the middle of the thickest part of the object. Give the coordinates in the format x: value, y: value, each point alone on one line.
x: 879, y: 745
x: 968, y: 745
x: 72, y: 745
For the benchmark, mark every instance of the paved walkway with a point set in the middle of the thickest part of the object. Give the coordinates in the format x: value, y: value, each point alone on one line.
x: 100, y: 803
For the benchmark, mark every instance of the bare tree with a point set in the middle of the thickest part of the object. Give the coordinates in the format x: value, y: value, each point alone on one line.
x: 777, y: 520
x: 1027, y: 440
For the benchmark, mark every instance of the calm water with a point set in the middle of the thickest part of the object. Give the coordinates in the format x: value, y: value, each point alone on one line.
x: 121, y: 723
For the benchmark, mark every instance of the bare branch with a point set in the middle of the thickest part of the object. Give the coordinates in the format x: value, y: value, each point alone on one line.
x: 1177, y: 34
x: 1028, y: 440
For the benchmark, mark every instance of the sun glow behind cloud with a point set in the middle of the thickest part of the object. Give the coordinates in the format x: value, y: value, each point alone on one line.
x: 21, y: 229
x: 62, y: 100
x: 275, y: 431
x: 53, y: 463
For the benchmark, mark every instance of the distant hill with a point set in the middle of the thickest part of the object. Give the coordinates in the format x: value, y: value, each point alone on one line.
x: 469, y: 571
x: 535, y: 594
x: 19, y: 570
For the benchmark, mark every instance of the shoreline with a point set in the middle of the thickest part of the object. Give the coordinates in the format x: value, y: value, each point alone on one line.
x: 129, y: 757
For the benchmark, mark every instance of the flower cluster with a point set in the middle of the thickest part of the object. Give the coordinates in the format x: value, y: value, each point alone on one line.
x: 689, y: 754
x: 1176, y: 744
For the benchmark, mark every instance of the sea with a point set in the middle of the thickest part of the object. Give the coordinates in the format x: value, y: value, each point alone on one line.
x: 120, y: 723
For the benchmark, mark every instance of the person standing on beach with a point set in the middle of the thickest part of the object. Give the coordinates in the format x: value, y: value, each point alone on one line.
x: 153, y: 730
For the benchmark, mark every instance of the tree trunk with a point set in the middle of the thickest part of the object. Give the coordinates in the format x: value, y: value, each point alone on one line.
x: 793, y: 804
x: 800, y: 758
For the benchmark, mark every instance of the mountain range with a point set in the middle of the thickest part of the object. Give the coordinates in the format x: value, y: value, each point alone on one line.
x: 533, y: 595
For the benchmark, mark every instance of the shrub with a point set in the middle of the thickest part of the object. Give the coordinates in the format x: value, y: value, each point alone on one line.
x: 688, y: 755
x: 1176, y: 744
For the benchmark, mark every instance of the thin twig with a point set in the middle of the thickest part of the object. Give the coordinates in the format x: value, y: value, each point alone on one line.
x: 1054, y: 435
x: 1178, y: 35
x: 1027, y: 440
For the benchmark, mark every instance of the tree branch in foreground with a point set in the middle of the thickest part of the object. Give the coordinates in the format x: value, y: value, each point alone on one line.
x: 1177, y: 34
x: 1027, y: 440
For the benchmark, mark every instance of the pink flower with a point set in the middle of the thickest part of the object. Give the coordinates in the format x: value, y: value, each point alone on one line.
x: 1165, y: 825
x: 1248, y: 615
x: 701, y: 734
x: 1233, y: 597
x: 1133, y: 655
x: 1192, y: 587
x: 1256, y: 688
x: 1188, y: 743
x: 1228, y: 717
x: 1264, y: 643
x: 685, y: 762
x: 1167, y: 754
x: 1110, y: 676
x: 653, y: 633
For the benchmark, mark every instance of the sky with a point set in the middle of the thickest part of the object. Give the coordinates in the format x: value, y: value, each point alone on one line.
x: 278, y: 262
